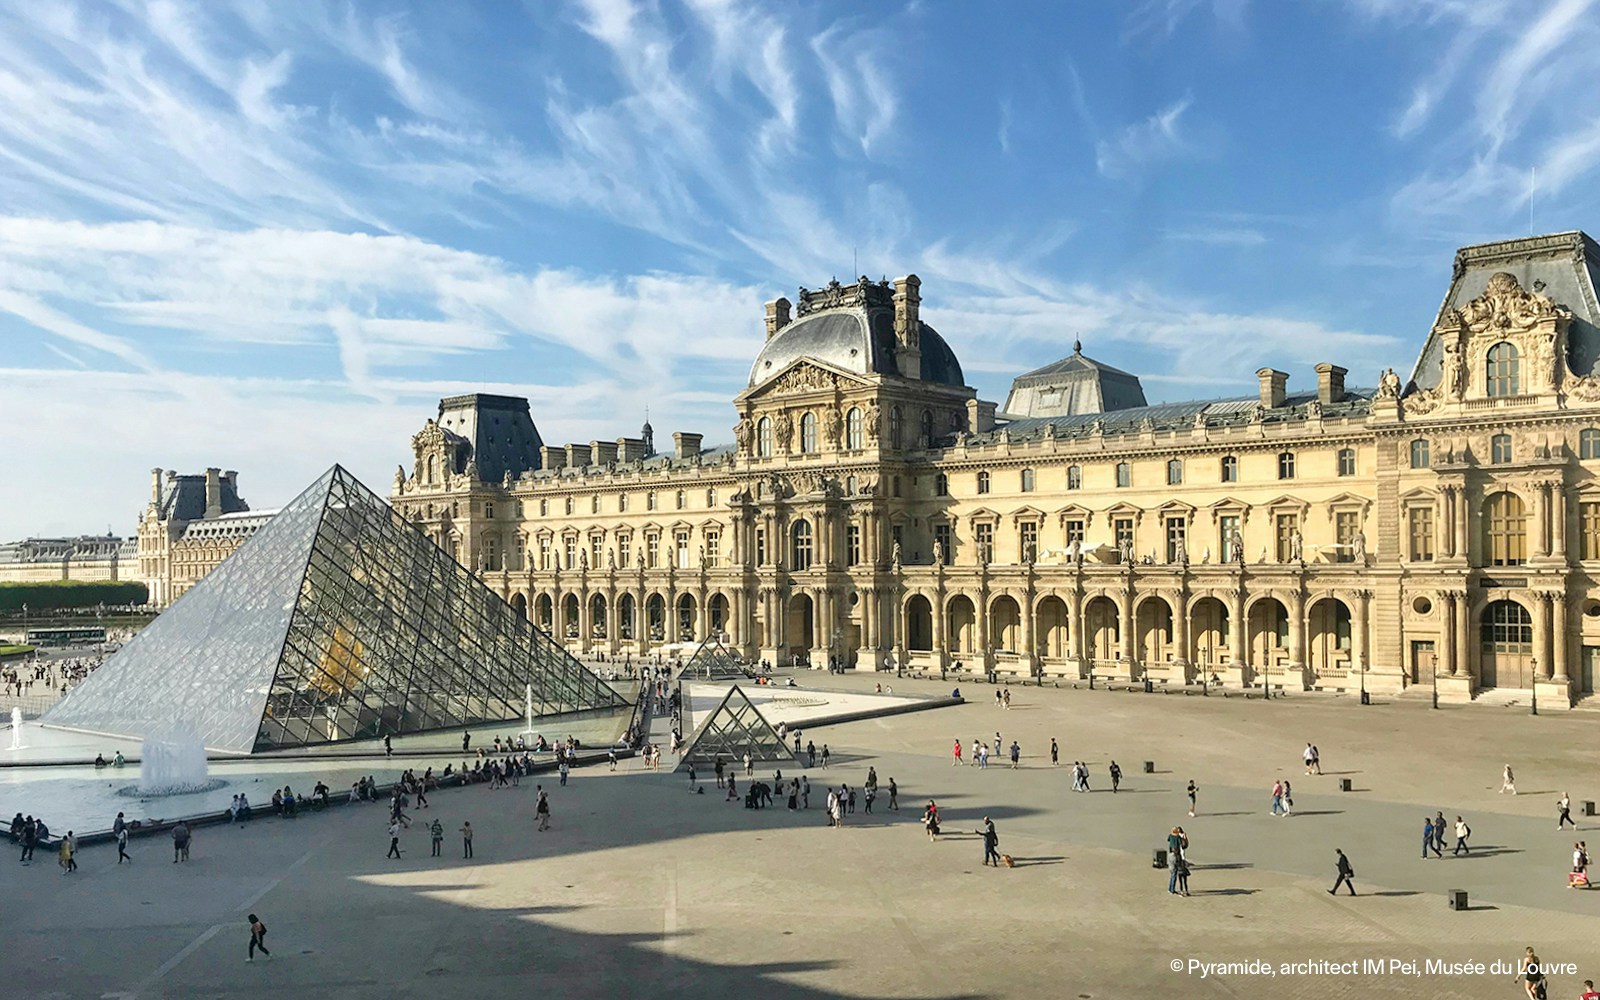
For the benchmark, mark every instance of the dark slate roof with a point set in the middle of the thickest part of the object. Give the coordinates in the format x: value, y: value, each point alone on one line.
x: 498, y: 431
x: 184, y: 498
x: 856, y: 339
x: 1178, y: 415
x: 1074, y: 362
x: 1564, y: 266
x: 714, y: 455
x: 1074, y: 385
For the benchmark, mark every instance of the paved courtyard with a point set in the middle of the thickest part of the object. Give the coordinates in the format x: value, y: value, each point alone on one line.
x: 645, y: 889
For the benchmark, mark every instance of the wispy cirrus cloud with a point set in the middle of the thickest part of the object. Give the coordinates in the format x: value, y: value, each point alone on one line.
x: 1144, y: 144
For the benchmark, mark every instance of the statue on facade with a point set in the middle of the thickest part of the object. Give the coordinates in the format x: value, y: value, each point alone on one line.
x: 1358, y: 547
x: 832, y: 423
x: 611, y: 558
x: 1454, y: 381
x: 1205, y: 557
x: 783, y: 427
x: 583, y: 559
x: 472, y: 470
x: 702, y: 555
x: 873, y: 414
x: 1125, y: 550
x: 894, y: 556
x: 938, y: 553
x: 1294, y: 545
x: 744, y: 433
x: 1388, y: 385
x: 399, y: 478
x: 1181, y: 552
x: 1236, y: 547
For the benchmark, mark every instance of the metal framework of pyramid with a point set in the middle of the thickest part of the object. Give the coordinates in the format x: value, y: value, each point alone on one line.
x: 735, y: 728
x: 336, y: 621
x: 713, y: 661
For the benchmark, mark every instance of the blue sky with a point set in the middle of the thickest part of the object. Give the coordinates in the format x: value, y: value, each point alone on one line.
x: 268, y: 236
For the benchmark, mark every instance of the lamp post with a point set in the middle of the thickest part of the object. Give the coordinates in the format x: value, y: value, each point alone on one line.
x: 1363, y: 666
x: 1434, y: 670
x: 1205, y: 669
x: 838, y: 645
x: 1535, y: 703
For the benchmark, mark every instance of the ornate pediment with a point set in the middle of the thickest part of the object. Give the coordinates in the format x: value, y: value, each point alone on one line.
x: 1505, y: 308
x: 804, y: 377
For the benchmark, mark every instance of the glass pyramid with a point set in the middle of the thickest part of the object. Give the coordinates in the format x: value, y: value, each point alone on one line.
x: 713, y: 661
x: 735, y: 728
x: 336, y: 621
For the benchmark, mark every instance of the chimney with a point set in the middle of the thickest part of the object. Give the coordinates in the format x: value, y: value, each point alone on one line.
x: 1272, y: 387
x: 908, y: 326
x: 777, y: 316
x: 685, y: 446
x: 1330, y: 384
x: 213, y: 493
x: 603, y: 452
x: 578, y: 456
x: 980, y: 416
x: 155, y: 485
x: 631, y: 449
x: 232, y: 477
x: 552, y: 458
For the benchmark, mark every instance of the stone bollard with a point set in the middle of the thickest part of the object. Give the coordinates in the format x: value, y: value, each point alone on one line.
x: 1588, y: 808
x: 1458, y: 899
x: 1159, y: 858
x: 1149, y: 767
x: 1344, y: 784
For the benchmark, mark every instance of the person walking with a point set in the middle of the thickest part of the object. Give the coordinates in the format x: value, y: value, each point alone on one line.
x: 1181, y: 866
x: 1288, y: 798
x: 394, y: 839
x: 466, y: 741
x: 122, y: 846
x: 1346, y: 874
x: 1310, y: 757
x: 805, y: 792
x: 1016, y: 754
x: 68, y: 864
x: 718, y: 770
x: 1508, y: 781
x: 1277, y: 799
x: 543, y: 810
x: 1428, y: 841
x: 611, y: 758
x: 436, y: 833
x: 1463, y: 831
x: 1116, y: 776
x: 1564, y: 812
x: 258, y: 939
x: 811, y: 753
x: 749, y: 765
x: 894, y: 796
x: 930, y: 820
x: 181, y: 837
x: 563, y: 769
x: 991, y: 843
x: 1193, y: 788
x: 1531, y: 975
x: 1439, y: 830
x: 957, y: 755
x: 466, y: 839
x: 1055, y: 753
x: 825, y: 755
x: 869, y: 793
x: 388, y: 747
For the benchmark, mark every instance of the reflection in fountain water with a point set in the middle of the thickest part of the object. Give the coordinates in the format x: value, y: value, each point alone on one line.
x: 173, y: 763
x: 16, y: 727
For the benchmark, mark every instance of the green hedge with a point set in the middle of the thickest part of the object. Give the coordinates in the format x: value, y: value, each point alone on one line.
x: 70, y: 594
x: 9, y: 650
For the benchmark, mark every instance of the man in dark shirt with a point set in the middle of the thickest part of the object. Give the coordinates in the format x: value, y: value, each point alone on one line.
x: 1346, y: 874
x: 991, y: 843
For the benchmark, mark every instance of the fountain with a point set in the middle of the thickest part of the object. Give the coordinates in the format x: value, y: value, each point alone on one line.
x: 527, y: 707
x: 172, y: 763
x: 16, y: 727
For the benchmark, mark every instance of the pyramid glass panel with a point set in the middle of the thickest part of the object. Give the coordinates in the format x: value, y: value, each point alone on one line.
x: 735, y: 728
x: 713, y: 661
x: 336, y: 621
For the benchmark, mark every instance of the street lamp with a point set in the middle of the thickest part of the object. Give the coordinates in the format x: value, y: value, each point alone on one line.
x: 838, y: 645
x: 1205, y: 669
x: 1363, y: 665
x: 1535, y: 703
x: 1434, y: 670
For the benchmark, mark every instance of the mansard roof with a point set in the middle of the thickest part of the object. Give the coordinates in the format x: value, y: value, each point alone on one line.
x: 1076, y: 384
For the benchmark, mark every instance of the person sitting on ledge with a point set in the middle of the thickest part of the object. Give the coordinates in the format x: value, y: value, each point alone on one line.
x: 118, y: 760
x: 99, y: 760
x: 955, y: 692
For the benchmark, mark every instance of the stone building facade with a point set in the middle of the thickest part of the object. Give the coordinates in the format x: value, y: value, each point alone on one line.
x: 191, y: 524
x: 89, y: 558
x: 1439, y: 530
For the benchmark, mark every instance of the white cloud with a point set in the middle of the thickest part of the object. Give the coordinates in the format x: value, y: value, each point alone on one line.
x: 1218, y: 236
x: 1143, y: 144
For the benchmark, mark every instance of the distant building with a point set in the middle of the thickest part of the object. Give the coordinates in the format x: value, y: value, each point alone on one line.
x: 89, y: 558
x: 191, y: 524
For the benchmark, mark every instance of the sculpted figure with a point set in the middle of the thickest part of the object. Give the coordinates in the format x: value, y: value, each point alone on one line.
x: 1388, y: 385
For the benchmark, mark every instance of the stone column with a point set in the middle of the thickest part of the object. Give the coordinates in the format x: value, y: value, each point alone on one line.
x: 1558, y: 635
x: 1297, y: 631
x: 585, y: 617
x: 1180, y: 633
x: 1463, y: 548
x: 1239, y: 632
x: 612, y: 638
x: 940, y: 645
x: 1358, y: 628
x: 1129, y: 630
x: 982, y: 608
x: 702, y: 618
x: 1463, y: 643
x: 1541, y: 635
x: 1075, y: 626
x: 1541, y: 520
x: 1447, y: 635
x: 1560, y: 523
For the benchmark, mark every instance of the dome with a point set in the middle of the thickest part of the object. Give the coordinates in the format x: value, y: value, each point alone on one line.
x: 857, y: 339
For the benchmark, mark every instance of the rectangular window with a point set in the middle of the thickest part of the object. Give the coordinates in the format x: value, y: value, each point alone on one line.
x: 941, y: 535
x: 1074, y: 477
x: 1287, y: 527
x: 572, y: 552
x: 624, y: 550
x: 622, y: 502
x: 713, y: 547
x: 852, y: 541
x: 761, y: 546
x: 984, y: 537
x: 1345, y: 525
x: 652, y: 550
x: 1230, y: 468
x: 1227, y: 530
x: 1028, y: 535
x: 1124, y: 475
x: 1122, y: 529
x: 544, y: 553
x: 1074, y: 527
x: 1347, y: 461
x: 1177, y: 539
x: 1286, y: 465
x: 1420, y: 522
x: 1589, y: 524
x: 680, y: 542
x: 597, y: 551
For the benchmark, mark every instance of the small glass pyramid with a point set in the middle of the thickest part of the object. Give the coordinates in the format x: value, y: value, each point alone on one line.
x: 713, y: 661
x: 736, y: 727
x: 336, y: 621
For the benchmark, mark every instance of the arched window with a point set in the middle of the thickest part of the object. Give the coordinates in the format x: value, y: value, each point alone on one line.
x: 764, y: 437
x: 1419, y: 453
x: 650, y: 500
x: 850, y: 485
x: 808, y: 433
x: 1506, y: 628
x: 1124, y: 475
x: 1347, y: 461
x: 1174, y: 472
x: 569, y: 505
x: 622, y: 502
x: 1027, y: 480
x: 983, y: 482
x: 1500, y: 449
x: 1589, y: 443
x: 1074, y: 477
x: 894, y: 427
x: 927, y: 429
x: 544, y: 508
x: 1503, y: 374
x: 594, y: 504
x: 853, y: 436
x: 1505, y: 528
x: 1286, y: 465
x: 1230, y: 468
x: 800, y: 545
x: 941, y: 485
x: 433, y: 468
x: 711, y: 498
x: 682, y: 500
